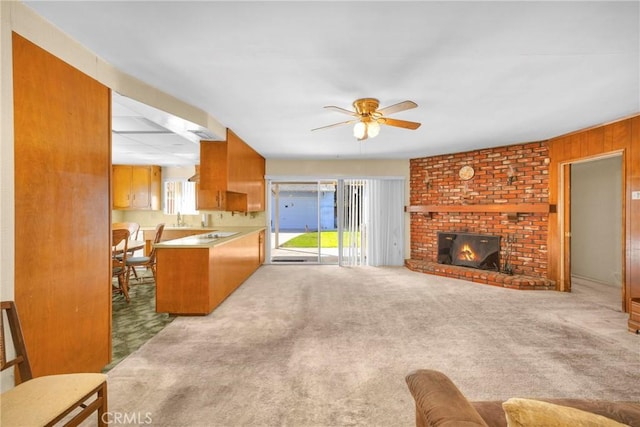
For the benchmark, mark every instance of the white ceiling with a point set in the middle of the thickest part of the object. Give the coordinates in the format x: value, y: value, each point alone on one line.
x: 482, y: 73
x: 143, y: 135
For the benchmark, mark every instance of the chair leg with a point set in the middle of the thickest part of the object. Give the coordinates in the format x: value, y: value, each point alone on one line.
x: 103, y: 409
x: 122, y: 279
x: 132, y: 269
x: 126, y: 284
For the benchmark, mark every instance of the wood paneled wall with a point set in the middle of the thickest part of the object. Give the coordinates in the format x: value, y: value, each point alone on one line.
x: 63, y: 213
x: 619, y: 137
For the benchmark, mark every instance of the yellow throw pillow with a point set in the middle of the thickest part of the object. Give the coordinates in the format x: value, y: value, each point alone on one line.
x: 535, y: 413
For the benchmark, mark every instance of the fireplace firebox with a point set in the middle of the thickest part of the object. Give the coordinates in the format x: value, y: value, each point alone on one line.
x: 480, y: 251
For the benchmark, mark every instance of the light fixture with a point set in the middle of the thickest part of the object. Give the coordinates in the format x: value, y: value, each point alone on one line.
x: 366, y: 128
x: 360, y: 130
x: 373, y: 129
x: 511, y: 175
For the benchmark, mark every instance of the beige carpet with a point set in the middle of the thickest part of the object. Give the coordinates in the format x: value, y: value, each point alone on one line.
x: 330, y: 346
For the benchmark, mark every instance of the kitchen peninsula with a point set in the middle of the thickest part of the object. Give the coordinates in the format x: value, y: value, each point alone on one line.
x: 196, y: 273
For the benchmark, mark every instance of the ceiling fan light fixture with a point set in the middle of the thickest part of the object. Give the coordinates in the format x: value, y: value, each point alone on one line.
x: 373, y: 129
x: 368, y: 118
x: 360, y: 130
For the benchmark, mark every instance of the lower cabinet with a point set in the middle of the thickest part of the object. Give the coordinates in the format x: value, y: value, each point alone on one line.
x: 194, y: 281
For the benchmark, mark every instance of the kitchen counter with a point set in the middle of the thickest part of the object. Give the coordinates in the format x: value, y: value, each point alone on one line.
x: 194, y: 274
x: 209, y: 237
x: 170, y: 232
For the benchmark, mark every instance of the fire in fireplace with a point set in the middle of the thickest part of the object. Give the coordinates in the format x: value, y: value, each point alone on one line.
x: 480, y: 251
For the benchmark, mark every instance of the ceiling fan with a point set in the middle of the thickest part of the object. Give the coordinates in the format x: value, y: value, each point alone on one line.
x: 368, y: 117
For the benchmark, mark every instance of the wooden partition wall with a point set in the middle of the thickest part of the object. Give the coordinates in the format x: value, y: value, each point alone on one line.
x: 63, y: 214
x: 621, y: 137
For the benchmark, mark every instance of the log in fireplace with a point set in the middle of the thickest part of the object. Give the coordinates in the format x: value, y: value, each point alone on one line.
x: 480, y: 251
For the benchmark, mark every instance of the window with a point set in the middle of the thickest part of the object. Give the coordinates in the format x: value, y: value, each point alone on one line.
x: 180, y: 196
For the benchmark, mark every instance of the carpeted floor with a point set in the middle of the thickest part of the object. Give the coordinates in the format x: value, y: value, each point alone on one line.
x: 309, y: 345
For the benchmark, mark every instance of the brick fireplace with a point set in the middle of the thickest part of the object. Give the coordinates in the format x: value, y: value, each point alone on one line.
x: 502, y: 191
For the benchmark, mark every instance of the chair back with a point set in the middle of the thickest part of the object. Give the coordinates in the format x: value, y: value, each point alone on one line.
x: 133, y: 227
x: 20, y: 358
x: 156, y: 239
x: 120, y: 244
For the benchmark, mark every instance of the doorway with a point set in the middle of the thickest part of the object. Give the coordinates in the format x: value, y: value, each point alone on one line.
x: 593, y: 224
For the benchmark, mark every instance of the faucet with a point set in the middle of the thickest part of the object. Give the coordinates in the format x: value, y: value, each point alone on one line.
x: 179, y: 220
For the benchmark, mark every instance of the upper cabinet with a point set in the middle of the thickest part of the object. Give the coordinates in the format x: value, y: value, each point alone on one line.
x: 231, y: 176
x: 136, y: 187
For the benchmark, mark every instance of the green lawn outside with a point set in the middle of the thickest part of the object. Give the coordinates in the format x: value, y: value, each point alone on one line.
x: 329, y: 239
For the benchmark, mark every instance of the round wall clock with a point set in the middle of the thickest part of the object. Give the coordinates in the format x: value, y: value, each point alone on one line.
x: 466, y: 173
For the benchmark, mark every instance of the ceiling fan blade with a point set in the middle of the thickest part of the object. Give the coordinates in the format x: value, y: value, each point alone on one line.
x: 399, y: 123
x: 401, y: 106
x: 335, y: 125
x: 341, y: 110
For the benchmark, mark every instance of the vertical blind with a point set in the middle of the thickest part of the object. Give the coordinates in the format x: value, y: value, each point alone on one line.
x: 354, y: 232
x: 372, y: 222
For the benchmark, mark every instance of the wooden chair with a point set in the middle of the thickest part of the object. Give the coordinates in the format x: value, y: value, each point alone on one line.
x: 120, y: 243
x: 147, y: 261
x: 134, y: 230
x: 133, y: 227
x: 46, y: 400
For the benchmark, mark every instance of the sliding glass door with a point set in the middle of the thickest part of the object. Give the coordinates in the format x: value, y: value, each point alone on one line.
x: 303, y: 222
x: 337, y: 221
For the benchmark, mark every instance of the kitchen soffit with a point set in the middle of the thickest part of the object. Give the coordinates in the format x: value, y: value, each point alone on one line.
x: 142, y: 134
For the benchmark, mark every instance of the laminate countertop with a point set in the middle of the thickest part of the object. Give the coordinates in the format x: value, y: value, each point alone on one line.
x: 176, y: 227
x: 210, y: 238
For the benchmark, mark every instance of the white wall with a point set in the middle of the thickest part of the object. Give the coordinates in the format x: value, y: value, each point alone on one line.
x: 596, y: 220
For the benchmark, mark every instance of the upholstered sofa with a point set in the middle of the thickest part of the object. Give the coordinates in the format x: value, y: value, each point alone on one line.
x: 440, y: 403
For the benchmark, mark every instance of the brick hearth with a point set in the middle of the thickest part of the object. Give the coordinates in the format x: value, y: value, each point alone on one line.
x: 515, y: 281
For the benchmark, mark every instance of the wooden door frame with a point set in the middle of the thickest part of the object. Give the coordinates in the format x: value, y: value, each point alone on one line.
x: 564, y: 216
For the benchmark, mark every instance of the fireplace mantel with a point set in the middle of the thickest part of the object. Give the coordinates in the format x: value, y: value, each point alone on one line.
x: 511, y: 209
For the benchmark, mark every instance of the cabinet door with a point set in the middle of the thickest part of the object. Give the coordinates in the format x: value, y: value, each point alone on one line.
x: 246, y: 172
x: 136, y: 187
x: 141, y: 188
x: 212, y: 188
x: 121, y: 186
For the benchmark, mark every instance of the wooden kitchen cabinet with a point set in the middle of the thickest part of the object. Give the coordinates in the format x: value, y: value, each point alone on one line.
x: 231, y: 176
x: 136, y: 187
x: 195, y: 280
